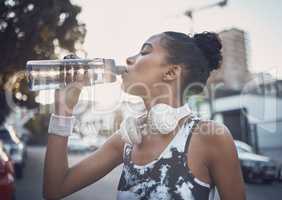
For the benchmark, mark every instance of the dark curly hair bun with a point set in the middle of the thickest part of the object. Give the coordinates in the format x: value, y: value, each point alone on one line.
x: 210, y: 45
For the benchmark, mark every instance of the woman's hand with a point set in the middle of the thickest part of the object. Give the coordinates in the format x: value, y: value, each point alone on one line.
x: 66, y: 98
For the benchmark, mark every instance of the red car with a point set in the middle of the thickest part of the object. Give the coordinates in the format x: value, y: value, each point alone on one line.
x: 7, y: 181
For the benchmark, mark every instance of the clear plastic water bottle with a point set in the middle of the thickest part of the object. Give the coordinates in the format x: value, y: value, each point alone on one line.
x: 55, y: 74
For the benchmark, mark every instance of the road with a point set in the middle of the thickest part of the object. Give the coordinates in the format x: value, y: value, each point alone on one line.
x: 30, y: 187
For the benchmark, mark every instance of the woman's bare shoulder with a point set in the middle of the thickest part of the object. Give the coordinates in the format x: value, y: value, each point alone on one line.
x: 221, y: 158
x: 214, y: 136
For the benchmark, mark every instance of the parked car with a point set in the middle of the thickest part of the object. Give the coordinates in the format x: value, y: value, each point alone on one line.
x: 76, y: 144
x: 15, y: 148
x: 255, y: 167
x: 7, y: 181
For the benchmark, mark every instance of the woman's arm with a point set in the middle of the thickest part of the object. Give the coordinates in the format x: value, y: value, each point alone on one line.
x: 60, y: 180
x: 224, y: 165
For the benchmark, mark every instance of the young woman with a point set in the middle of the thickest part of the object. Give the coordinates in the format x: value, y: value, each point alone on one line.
x: 188, y: 163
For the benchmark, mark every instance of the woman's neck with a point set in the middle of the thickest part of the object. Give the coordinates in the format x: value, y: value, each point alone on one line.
x: 169, y: 94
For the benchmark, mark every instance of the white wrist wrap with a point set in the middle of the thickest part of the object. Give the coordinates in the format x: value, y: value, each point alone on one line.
x: 61, y: 125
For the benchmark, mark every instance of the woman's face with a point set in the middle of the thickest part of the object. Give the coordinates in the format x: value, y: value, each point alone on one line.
x: 146, y: 69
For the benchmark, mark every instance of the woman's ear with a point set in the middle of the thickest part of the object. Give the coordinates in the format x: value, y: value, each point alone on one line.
x: 173, y: 72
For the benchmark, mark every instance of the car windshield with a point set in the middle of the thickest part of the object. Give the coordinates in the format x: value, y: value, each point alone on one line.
x: 243, y: 147
x: 241, y: 150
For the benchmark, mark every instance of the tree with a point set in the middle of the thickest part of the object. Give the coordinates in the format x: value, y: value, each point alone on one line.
x: 34, y: 29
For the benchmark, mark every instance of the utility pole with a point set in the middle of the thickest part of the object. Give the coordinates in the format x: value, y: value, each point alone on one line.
x: 190, y: 14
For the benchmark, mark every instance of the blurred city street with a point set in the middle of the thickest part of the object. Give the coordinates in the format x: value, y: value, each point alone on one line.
x: 30, y: 187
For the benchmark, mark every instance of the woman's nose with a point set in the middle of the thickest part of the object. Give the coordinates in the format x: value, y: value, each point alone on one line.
x: 130, y: 60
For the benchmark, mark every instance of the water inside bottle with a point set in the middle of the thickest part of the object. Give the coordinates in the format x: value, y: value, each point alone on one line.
x: 45, y: 76
x: 55, y: 74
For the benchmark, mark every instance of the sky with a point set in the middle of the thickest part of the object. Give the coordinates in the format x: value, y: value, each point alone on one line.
x: 117, y: 29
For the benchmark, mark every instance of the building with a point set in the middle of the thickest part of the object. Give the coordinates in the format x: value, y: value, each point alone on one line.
x: 234, y: 69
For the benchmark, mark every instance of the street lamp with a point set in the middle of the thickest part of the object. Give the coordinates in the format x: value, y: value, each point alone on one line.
x: 190, y: 12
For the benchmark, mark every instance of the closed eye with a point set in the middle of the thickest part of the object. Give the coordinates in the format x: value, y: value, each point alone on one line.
x: 146, y: 49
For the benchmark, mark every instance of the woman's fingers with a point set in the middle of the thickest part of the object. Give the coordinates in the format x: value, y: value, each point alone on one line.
x: 81, y: 76
x: 75, y: 74
x: 76, y: 77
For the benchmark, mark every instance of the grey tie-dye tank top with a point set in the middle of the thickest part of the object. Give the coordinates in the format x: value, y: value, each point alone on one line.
x: 167, y: 177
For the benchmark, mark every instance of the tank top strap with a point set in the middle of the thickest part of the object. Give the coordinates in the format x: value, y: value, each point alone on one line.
x: 127, y: 148
x: 182, y: 137
x: 188, y: 133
